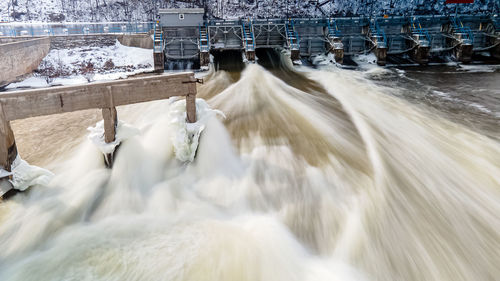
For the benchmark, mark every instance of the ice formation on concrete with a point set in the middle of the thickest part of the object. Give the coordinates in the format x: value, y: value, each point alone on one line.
x: 186, y: 136
x: 25, y: 175
x: 123, y: 132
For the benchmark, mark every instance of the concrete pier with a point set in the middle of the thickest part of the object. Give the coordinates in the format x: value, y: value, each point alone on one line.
x: 336, y: 47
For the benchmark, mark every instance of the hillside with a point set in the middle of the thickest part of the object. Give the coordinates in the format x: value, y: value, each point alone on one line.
x: 146, y: 10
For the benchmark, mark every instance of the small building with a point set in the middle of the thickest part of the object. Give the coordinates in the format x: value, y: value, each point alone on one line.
x: 181, y: 17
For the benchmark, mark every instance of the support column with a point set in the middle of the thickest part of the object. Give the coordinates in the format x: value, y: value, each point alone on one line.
x: 381, y: 54
x: 250, y: 55
x: 204, y: 58
x: 8, y: 151
x: 159, y: 61
x: 110, y: 117
x: 336, y: 47
x: 295, y: 54
x: 421, y: 49
x: 463, y: 52
x: 191, y: 102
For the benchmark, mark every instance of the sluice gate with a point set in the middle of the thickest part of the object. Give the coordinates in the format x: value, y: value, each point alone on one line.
x: 188, y: 37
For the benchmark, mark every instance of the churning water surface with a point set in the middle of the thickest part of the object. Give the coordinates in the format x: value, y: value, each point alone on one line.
x: 315, y: 174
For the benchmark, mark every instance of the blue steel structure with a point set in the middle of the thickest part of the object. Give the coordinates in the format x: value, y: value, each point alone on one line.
x: 292, y: 35
x: 376, y: 30
x: 459, y: 28
x: 248, y: 36
x: 416, y: 28
x: 204, y: 43
x: 333, y: 30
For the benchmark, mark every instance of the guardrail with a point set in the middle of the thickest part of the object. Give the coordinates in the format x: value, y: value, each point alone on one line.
x: 459, y: 27
x: 34, y: 30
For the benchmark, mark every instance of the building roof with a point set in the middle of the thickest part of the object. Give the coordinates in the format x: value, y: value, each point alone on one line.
x: 183, y: 11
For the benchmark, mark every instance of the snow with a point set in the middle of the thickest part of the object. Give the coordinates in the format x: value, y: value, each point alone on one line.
x: 65, y: 67
x: 123, y: 132
x: 186, y: 139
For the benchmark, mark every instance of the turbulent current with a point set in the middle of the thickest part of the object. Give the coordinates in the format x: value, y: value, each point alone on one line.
x: 314, y: 174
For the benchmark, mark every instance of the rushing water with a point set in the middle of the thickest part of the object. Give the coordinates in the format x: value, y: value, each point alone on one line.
x: 319, y: 174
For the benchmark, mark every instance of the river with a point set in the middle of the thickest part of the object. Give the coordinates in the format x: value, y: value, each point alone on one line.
x: 315, y: 174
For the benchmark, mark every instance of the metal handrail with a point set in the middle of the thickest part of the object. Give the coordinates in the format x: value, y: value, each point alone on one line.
x: 459, y: 27
x: 78, y: 29
x: 331, y: 32
x: 248, y: 46
x: 204, y: 48
x: 417, y: 28
x: 378, y: 31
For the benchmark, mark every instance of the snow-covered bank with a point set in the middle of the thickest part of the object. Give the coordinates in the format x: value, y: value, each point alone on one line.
x: 88, y: 64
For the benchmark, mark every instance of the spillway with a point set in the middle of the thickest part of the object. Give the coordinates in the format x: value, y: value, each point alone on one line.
x: 314, y: 174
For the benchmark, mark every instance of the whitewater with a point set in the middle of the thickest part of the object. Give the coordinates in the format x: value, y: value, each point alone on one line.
x: 312, y: 174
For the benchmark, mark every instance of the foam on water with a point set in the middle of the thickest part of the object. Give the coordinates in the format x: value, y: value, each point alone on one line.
x: 332, y: 180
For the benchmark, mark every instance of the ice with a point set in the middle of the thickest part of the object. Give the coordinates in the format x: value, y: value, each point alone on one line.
x: 123, y: 132
x: 186, y: 139
x: 68, y: 81
x: 25, y: 175
x: 478, y: 68
x: 31, y: 82
x: 365, y: 59
x: 324, y: 59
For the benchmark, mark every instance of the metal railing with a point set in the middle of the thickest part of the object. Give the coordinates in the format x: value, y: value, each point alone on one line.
x: 204, y: 45
x: 292, y: 35
x: 159, y: 43
x: 377, y: 31
x: 333, y: 30
x: 32, y: 30
x: 249, y: 41
x: 416, y: 28
x: 458, y: 27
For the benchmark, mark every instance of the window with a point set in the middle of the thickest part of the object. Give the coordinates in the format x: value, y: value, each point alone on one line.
x: 181, y: 16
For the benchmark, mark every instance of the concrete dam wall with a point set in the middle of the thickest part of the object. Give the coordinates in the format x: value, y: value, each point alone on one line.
x: 20, y: 58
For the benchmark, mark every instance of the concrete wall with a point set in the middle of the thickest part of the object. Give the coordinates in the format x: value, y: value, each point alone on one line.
x: 20, y: 58
x: 101, y: 40
x: 5, y: 40
x: 136, y: 40
x: 181, y: 19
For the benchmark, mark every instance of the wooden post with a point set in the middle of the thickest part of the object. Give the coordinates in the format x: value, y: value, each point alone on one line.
x: 8, y: 151
x: 191, y: 101
x: 110, y: 117
x: 8, y: 148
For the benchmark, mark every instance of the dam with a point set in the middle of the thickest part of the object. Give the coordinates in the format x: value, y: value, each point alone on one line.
x: 287, y: 163
x: 183, y: 37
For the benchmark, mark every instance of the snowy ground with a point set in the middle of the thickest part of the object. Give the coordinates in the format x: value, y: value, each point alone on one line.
x: 88, y: 64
